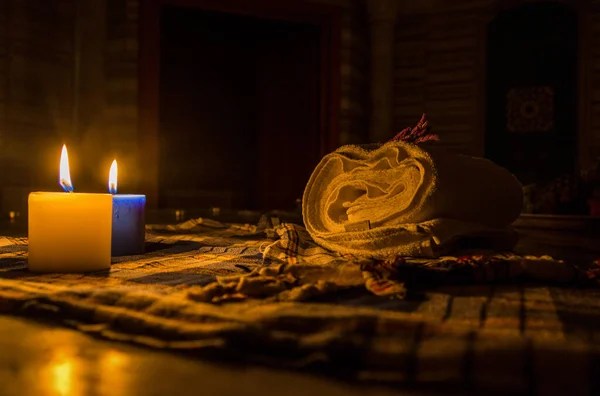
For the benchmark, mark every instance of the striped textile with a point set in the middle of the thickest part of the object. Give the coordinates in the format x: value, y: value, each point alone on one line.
x: 497, y: 323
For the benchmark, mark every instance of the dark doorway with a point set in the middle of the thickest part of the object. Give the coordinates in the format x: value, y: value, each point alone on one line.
x: 531, y: 120
x: 240, y: 109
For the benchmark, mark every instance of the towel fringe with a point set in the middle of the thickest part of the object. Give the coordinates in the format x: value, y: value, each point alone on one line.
x: 418, y: 134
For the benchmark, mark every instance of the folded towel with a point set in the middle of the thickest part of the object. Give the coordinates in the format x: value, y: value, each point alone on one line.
x: 400, y: 199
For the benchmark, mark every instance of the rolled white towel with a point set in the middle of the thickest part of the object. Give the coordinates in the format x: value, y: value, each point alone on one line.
x: 408, y: 200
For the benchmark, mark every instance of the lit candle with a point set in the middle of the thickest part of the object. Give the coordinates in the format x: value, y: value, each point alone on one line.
x: 128, y: 222
x: 69, y: 232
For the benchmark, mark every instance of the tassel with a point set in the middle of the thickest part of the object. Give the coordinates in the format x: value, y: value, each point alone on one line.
x: 416, y: 135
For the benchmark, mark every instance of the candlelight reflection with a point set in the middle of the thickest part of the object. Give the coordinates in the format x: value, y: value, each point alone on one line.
x: 113, y: 361
x: 65, y: 173
x: 62, y: 377
x: 12, y: 216
x: 61, y: 374
x: 74, y: 372
x: 115, y: 367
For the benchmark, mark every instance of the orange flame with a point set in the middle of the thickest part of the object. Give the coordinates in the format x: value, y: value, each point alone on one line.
x: 65, y: 175
x: 112, y: 178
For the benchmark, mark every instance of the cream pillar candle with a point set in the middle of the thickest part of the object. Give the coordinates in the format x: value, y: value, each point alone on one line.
x: 69, y: 232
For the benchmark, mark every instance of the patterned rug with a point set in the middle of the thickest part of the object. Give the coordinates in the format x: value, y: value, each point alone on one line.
x: 267, y: 294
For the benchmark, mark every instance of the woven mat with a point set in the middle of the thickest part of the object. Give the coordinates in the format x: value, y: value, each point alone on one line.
x: 269, y: 295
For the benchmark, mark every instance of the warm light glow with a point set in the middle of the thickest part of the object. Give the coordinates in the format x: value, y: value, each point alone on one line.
x: 62, y: 377
x: 113, y: 361
x: 116, y: 368
x: 65, y: 174
x: 112, y: 178
x: 12, y: 216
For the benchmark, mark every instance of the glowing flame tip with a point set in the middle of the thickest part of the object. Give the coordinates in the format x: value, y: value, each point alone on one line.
x: 65, y: 175
x: 112, y: 178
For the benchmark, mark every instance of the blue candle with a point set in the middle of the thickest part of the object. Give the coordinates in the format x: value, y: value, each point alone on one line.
x: 129, y: 222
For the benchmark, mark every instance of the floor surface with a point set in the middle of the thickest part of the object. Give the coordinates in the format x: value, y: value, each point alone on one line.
x: 44, y: 360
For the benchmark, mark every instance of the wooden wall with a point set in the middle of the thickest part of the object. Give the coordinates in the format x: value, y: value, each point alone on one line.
x: 436, y: 71
x: 439, y: 69
x: 36, y: 93
x: 354, y: 117
x: 36, y: 99
x: 121, y: 74
x: 40, y: 108
x: 591, y: 80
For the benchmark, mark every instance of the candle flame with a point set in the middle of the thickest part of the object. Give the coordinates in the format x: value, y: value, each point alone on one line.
x: 112, y: 178
x: 65, y: 175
